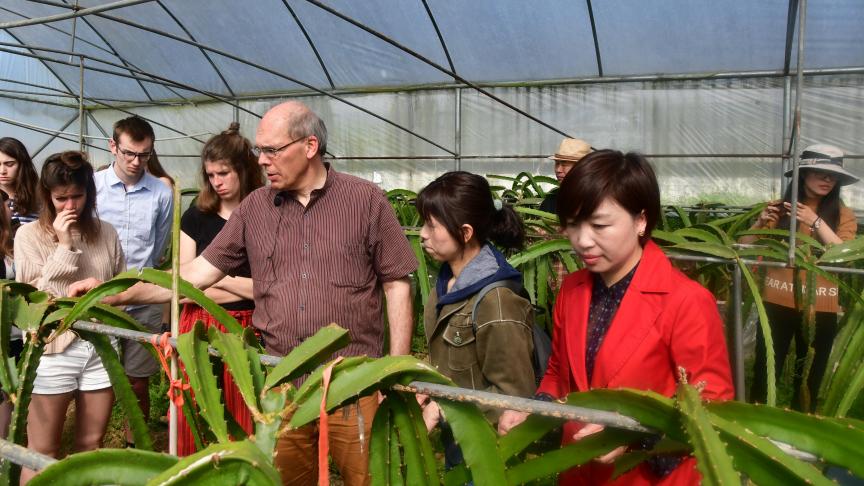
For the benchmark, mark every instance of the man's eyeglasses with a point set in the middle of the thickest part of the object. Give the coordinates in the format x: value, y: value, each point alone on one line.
x: 270, y: 152
x: 130, y: 155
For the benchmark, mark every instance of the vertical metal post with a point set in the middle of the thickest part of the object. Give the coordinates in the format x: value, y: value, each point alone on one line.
x: 175, y: 314
x: 74, y: 26
x: 458, y: 134
x: 787, y: 119
x: 799, y: 85
x: 82, y: 121
x: 236, y: 111
x: 738, y: 336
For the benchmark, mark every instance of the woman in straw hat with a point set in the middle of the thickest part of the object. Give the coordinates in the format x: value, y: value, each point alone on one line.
x: 822, y: 215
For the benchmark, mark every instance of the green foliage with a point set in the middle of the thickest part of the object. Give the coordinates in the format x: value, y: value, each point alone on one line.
x: 308, y: 355
x: 130, y: 467
x: 192, y: 347
x: 351, y: 383
x: 727, y: 439
x: 226, y: 463
x: 713, y: 462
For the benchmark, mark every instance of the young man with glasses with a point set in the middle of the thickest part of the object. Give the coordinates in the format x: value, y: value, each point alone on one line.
x: 139, y: 206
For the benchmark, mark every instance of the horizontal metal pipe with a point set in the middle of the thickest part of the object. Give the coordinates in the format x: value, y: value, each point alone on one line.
x: 759, y: 263
x: 549, y: 409
x: 24, y: 456
x: 558, y: 82
x: 147, y: 338
x: 77, y: 13
x: 133, y: 73
x: 49, y: 132
x: 544, y: 156
x: 245, y: 61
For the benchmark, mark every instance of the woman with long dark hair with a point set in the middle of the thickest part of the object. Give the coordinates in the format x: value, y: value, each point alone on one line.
x: 629, y: 319
x: 66, y: 244
x: 18, y: 180
x: 229, y: 173
x: 7, y: 272
x: 821, y: 214
x: 480, y: 340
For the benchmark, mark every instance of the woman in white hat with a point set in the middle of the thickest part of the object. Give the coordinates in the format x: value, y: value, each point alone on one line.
x: 821, y: 214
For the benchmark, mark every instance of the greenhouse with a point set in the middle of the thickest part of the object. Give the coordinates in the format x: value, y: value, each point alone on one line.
x: 720, y: 97
x: 707, y: 90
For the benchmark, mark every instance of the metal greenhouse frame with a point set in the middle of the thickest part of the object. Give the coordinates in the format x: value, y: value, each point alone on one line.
x: 97, y: 56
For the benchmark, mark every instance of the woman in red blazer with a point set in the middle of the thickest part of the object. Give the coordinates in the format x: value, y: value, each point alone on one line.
x: 629, y: 319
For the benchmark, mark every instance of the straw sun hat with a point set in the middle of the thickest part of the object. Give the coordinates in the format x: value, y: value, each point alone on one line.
x: 571, y: 150
x: 827, y: 158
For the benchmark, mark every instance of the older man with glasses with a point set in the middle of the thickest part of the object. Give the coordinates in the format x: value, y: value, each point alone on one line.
x: 323, y: 247
x: 139, y: 207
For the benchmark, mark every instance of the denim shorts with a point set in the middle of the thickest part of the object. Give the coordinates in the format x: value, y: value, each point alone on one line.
x: 78, y: 367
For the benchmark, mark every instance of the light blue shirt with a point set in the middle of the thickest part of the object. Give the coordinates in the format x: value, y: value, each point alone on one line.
x: 141, y: 215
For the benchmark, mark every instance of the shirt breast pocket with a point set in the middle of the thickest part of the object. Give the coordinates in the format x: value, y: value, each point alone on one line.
x: 352, y: 267
x: 461, y: 350
x: 143, y: 222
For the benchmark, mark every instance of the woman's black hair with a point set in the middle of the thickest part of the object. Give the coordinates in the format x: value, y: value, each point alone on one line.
x: 626, y: 178
x: 26, y: 199
x: 458, y: 198
x: 829, y: 205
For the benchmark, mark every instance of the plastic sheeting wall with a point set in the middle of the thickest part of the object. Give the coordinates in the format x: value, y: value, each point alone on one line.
x: 734, y: 116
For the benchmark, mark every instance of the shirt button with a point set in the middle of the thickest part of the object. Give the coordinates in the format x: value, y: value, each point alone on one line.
x: 302, y: 307
x: 303, y: 275
x: 305, y: 246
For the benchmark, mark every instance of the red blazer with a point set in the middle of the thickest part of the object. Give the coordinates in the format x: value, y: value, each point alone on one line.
x: 665, y: 321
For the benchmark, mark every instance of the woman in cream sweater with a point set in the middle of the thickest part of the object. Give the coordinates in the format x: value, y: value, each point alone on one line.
x: 67, y: 243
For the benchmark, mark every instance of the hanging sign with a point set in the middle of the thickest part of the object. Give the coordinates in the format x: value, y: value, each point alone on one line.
x: 779, y: 289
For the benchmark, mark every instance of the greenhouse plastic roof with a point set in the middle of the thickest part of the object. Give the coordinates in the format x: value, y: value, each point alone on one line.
x: 248, y: 48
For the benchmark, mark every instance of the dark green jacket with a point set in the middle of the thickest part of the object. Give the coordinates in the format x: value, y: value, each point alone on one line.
x: 498, y: 358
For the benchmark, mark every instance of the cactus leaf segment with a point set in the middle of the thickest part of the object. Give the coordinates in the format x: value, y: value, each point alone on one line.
x: 240, y: 364
x: 268, y: 422
x: 192, y: 347
x: 354, y: 382
x: 572, y: 455
x: 227, y: 464
x: 308, y: 355
x: 713, y: 461
x: 762, y: 461
x: 129, y: 467
x: 827, y: 438
x: 479, y: 443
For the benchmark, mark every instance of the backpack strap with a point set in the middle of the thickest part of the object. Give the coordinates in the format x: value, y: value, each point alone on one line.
x: 511, y: 284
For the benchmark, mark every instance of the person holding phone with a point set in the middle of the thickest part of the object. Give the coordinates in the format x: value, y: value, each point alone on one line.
x: 821, y: 214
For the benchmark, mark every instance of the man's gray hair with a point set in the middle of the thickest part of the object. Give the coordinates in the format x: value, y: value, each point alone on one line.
x: 304, y: 123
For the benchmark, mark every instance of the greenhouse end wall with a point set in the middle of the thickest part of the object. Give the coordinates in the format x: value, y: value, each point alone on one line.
x: 694, y: 126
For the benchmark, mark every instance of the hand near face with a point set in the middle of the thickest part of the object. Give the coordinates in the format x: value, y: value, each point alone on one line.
x: 591, y: 429
x: 803, y: 213
x: 63, y: 223
x: 769, y: 215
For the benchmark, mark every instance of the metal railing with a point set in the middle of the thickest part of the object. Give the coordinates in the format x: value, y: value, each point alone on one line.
x: 36, y: 461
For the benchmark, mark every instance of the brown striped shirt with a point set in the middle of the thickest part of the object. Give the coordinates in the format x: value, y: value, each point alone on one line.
x: 317, y: 264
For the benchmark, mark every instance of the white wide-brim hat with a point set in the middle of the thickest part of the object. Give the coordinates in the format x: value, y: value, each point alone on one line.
x: 827, y: 158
